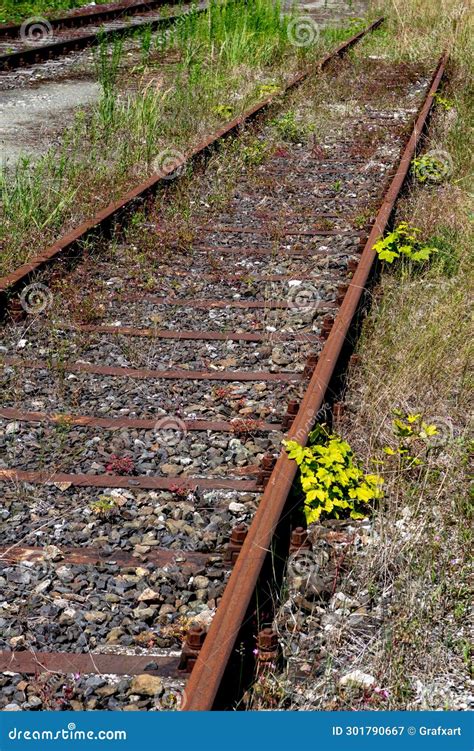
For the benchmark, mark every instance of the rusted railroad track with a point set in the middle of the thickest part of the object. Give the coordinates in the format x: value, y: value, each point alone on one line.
x: 222, y: 505
x: 41, y: 39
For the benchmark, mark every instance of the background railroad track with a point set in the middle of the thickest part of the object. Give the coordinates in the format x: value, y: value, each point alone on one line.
x: 39, y: 39
x: 175, y: 403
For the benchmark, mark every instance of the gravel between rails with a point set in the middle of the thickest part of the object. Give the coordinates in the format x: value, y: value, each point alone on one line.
x: 89, y: 451
x: 296, y: 176
x: 158, y: 354
x: 84, y: 393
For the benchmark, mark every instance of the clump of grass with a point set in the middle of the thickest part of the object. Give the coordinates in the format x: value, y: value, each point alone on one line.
x: 290, y: 128
x: 421, y: 29
x: 237, y: 32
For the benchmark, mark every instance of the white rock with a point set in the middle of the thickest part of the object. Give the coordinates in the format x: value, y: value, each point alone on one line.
x: 357, y: 678
x: 149, y: 595
x: 236, y: 508
x: 16, y: 642
x: 42, y: 586
x: 204, y: 618
x: 52, y: 553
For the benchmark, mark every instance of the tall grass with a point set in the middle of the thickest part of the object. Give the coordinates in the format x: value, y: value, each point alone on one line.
x: 236, y: 32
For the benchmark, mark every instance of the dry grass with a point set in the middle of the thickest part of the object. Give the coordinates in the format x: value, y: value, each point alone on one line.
x: 417, y: 355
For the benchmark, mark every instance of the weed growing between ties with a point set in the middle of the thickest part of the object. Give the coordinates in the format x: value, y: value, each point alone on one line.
x: 206, y: 69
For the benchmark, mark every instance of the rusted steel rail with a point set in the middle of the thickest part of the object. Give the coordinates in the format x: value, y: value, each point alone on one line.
x: 91, y: 14
x: 209, y: 672
x: 103, y: 220
x: 78, y: 38
x: 30, y: 662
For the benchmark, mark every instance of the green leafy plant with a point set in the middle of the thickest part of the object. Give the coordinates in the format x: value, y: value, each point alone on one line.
x: 409, y: 430
x: 267, y: 89
x: 432, y: 168
x: 224, y: 111
x: 403, y: 241
x: 448, y: 104
x: 105, y: 505
x: 288, y: 127
x: 255, y: 152
x: 332, y: 480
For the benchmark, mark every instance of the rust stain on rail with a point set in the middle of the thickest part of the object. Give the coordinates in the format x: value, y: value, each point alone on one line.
x: 43, y: 477
x: 187, y: 561
x: 118, y: 423
x: 32, y: 663
x: 144, y: 373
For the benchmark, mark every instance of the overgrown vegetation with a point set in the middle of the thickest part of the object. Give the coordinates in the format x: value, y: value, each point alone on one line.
x: 403, y: 241
x: 333, y: 483
x: 186, y: 84
x: 401, y: 585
